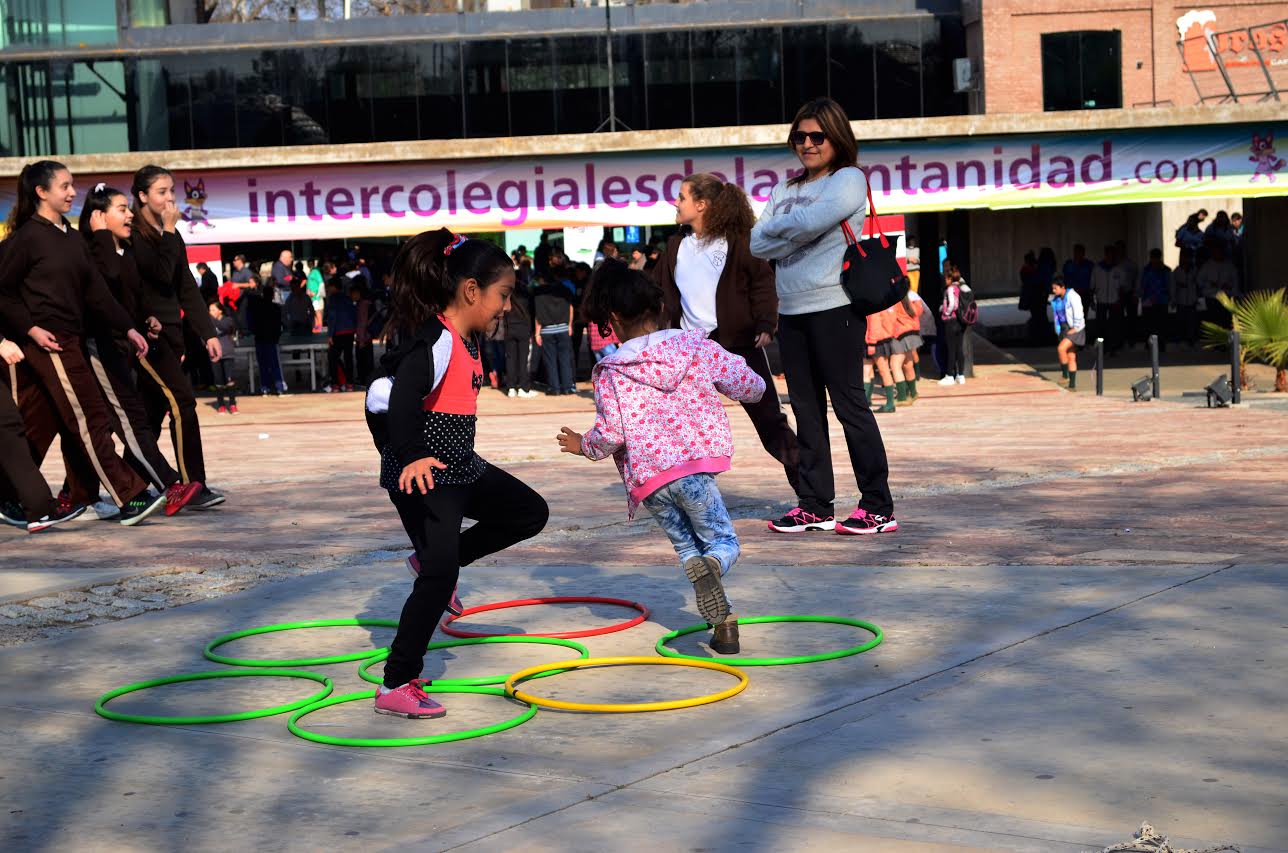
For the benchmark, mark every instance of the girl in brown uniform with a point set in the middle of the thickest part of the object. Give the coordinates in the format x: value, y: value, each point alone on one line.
x: 171, y: 295
x: 105, y: 224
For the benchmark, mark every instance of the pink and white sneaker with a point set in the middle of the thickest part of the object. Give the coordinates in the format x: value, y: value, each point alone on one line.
x: 408, y: 701
x: 800, y: 521
x: 455, y: 606
x: 861, y: 523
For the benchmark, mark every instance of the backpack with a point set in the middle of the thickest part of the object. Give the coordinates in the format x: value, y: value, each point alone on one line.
x: 967, y: 310
x: 387, y: 368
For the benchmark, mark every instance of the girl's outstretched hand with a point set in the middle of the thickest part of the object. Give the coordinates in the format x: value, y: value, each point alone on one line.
x: 419, y: 474
x: 569, y: 441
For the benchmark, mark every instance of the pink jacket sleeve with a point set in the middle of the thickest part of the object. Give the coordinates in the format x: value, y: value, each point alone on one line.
x: 732, y: 377
x: 606, y: 436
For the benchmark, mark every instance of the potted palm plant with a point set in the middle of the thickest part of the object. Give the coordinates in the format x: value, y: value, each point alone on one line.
x: 1261, y: 319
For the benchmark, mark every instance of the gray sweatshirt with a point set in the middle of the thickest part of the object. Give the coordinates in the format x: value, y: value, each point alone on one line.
x: 800, y: 228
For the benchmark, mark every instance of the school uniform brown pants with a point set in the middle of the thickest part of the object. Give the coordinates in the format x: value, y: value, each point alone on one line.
x: 59, y: 395
x: 166, y: 390
x: 20, y: 477
x: 128, y: 414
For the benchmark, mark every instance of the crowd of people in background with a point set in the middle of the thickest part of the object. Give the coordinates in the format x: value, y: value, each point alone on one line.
x: 1126, y: 302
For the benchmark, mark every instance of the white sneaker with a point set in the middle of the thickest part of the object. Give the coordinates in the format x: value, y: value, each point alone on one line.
x: 961, y: 380
x: 947, y: 380
x: 106, y: 510
x: 529, y: 393
x: 513, y: 392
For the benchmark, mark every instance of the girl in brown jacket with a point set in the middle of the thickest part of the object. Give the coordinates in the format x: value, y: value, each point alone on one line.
x: 712, y: 282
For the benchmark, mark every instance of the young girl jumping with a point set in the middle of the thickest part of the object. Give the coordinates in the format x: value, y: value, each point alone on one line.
x: 658, y: 416
x: 447, y: 291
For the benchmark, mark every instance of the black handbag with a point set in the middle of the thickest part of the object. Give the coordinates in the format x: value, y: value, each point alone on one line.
x: 870, y: 272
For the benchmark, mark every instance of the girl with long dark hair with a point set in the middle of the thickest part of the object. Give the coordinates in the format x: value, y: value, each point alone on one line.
x: 170, y: 294
x: 448, y: 291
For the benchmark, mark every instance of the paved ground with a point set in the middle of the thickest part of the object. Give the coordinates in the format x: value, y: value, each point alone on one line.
x: 1083, y: 615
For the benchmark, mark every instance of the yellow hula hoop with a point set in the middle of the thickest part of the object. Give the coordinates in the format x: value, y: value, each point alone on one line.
x: 671, y: 705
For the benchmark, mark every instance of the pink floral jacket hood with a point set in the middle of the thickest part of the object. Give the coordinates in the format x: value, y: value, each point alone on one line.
x: 658, y: 413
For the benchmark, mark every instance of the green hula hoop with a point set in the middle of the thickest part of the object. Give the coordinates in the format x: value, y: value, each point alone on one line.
x: 428, y: 740
x: 101, y: 709
x: 784, y: 661
x: 209, y: 651
x: 478, y: 681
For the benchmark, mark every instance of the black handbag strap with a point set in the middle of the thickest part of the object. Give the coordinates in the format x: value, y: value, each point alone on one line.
x: 874, y: 227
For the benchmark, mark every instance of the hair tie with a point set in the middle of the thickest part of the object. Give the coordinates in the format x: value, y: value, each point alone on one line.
x: 457, y: 239
x: 100, y: 186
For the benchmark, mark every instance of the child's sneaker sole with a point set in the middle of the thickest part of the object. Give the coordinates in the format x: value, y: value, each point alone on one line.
x: 704, y: 574
x: 430, y: 716
x: 814, y: 527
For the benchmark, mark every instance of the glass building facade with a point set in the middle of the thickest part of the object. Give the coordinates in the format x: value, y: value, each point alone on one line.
x: 456, y: 88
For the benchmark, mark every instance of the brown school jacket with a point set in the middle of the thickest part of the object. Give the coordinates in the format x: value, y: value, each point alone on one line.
x: 746, y: 297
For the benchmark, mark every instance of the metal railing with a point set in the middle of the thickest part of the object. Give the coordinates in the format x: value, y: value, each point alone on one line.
x: 1248, y: 64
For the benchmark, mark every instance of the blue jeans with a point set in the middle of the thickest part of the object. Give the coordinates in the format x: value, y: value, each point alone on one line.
x: 601, y: 354
x: 692, y: 514
x: 556, y: 352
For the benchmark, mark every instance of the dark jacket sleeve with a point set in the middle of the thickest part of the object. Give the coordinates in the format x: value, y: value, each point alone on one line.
x: 15, y: 319
x: 157, y: 261
x: 664, y: 275
x: 761, y: 289
x: 414, y: 380
x: 100, y: 302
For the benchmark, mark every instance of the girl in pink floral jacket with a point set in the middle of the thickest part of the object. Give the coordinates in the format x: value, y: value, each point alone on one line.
x: 659, y: 415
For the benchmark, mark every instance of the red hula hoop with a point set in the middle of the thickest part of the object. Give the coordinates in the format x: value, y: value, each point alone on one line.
x: 564, y: 635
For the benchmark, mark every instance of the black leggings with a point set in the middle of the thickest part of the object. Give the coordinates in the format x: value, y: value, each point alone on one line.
x: 955, y: 333
x: 507, y: 511
x: 823, y: 356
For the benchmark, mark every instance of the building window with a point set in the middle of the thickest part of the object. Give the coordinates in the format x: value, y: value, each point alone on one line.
x: 1082, y: 70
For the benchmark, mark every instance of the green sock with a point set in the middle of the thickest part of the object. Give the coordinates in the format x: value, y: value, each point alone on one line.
x: 889, y: 403
x: 901, y: 391
x: 912, y: 388
x: 1064, y: 371
x: 867, y: 391
x: 1073, y: 380
x: 916, y: 369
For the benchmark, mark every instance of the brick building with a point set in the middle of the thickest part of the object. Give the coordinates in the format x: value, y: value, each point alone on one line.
x: 995, y: 127
x: 1132, y: 63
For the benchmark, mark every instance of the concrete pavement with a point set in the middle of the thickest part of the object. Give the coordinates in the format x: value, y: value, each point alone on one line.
x: 1082, y: 615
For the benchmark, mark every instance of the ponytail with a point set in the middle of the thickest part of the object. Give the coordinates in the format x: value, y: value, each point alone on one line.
x: 39, y: 174
x: 429, y: 269
x: 99, y: 198
x: 728, y: 214
x: 143, y: 180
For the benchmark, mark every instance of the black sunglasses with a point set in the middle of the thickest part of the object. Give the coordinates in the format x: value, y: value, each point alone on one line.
x: 798, y: 137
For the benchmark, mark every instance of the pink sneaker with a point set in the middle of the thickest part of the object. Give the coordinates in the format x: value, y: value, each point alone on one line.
x: 455, y: 606
x: 408, y: 701
x: 861, y: 522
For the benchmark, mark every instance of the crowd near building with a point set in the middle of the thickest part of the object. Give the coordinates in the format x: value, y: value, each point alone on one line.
x: 1016, y: 139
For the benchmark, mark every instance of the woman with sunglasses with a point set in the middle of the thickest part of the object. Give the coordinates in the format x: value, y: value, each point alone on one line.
x: 821, y: 337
